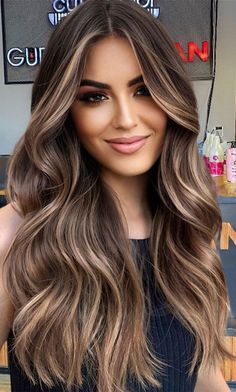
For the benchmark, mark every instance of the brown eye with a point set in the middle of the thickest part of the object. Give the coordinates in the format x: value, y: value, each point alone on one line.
x: 92, y: 98
x: 143, y: 90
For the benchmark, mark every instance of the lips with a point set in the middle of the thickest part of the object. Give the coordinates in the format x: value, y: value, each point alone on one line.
x: 127, y: 145
x: 127, y: 140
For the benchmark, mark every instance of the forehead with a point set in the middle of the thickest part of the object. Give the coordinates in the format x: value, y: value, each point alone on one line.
x: 111, y: 58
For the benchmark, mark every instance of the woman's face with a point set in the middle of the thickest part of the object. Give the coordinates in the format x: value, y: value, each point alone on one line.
x: 118, y: 122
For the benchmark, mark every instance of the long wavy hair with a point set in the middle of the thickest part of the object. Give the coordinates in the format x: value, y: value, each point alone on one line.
x: 70, y: 271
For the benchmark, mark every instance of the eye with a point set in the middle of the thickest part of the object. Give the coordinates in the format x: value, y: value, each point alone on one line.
x: 91, y: 98
x: 143, y: 90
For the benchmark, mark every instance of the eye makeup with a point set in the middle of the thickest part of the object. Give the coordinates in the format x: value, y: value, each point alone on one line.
x: 97, y: 97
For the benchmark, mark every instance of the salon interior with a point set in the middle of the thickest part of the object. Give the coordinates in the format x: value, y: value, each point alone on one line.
x: 209, y: 55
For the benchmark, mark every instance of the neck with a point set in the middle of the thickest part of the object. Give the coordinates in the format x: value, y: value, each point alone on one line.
x: 132, y: 195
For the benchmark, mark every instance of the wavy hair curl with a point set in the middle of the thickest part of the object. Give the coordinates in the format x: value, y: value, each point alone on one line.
x: 70, y: 272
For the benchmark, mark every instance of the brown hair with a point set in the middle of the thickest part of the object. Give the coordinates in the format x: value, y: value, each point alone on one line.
x: 70, y: 271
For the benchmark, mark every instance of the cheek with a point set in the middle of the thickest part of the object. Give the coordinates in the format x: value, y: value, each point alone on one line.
x: 156, y: 117
x: 159, y: 121
x: 164, y: 125
x: 161, y: 125
x: 88, y: 130
x: 88, y: 124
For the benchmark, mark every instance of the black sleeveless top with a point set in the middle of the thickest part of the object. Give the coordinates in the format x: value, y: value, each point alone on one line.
x: 171, y: 342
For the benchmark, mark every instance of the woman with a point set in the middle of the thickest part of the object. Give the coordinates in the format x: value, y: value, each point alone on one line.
x: 111, y: 282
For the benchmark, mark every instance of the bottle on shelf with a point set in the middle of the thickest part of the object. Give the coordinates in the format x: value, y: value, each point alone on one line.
x: 231, y: 163
x: 216, y: 157
x: 207, y: 146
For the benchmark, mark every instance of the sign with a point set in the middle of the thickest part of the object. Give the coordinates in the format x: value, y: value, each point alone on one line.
x: 27, y: 25
x: 226, y: 246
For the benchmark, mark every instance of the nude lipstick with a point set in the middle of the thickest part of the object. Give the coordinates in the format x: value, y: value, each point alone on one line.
x: 127, y: 145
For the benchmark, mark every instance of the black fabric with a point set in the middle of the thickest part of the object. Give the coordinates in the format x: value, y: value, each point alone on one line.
x: 170, y: 341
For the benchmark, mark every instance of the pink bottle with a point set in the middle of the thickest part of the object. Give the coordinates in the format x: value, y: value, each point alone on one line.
x: 231, y: 163
x: 216, y: 158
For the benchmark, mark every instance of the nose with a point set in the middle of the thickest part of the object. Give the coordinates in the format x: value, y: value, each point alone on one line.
x: 125, y: 115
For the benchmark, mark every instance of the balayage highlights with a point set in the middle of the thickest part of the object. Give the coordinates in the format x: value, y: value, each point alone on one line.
x: 70, y: 271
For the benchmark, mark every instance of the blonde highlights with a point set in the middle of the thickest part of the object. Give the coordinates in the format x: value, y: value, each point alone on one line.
x: 70, y: 272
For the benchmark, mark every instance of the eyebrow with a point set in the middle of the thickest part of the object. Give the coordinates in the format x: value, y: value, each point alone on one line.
x: 89, y: 82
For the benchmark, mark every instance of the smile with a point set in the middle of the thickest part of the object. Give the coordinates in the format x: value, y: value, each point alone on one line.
x: 128, y: 145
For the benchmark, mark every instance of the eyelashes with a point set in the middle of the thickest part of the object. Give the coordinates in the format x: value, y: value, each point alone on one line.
x: 144, y: 90
x: 96, y: 97
x: 92, y: 98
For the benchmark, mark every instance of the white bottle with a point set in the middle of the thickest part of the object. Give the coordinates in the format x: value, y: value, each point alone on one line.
x: 216, y: 157
x: 220, y: 131
x: 205, y: 146
x: 209, y: 147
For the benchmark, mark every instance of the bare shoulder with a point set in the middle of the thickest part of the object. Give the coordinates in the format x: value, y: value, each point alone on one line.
x: 211, y: 381
x: 10, y: 221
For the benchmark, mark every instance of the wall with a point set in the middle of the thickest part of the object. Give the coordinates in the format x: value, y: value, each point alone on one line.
x: 14, y: 108
x: 15, y: 99
x: 223, y: 103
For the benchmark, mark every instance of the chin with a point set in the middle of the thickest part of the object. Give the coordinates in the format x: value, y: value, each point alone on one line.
x: 132, y: 173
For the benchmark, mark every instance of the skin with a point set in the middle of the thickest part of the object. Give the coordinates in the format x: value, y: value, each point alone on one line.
x: 121, y: 111
x: 124, y: 111
x: 211, y: 382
